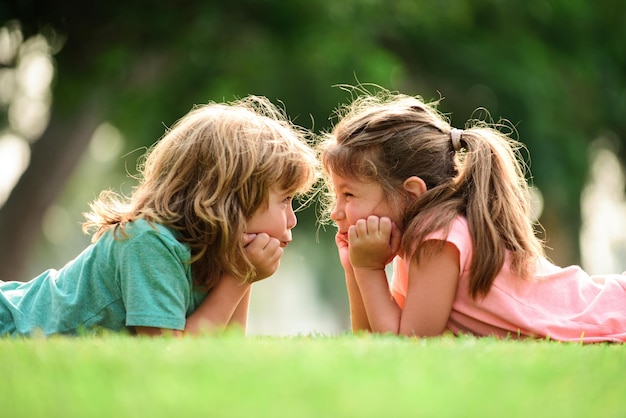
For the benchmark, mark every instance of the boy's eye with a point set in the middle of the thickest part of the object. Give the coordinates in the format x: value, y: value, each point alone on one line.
x: 288, y: 199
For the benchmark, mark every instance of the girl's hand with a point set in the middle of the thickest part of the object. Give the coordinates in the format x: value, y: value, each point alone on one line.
x: 264, y: 252
x: 373, y: 242
x: 342, y: 245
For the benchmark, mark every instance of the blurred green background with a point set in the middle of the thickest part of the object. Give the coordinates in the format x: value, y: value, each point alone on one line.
x: 86, y: 86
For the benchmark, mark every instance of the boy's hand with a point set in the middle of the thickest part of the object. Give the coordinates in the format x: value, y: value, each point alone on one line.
x: 264, y: 252
x: 373, y: 242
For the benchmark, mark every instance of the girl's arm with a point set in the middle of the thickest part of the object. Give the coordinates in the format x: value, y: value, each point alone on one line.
x: 382, y: 311
x: 358, y: 316
x: 373, y: 244
x: 431, y: 289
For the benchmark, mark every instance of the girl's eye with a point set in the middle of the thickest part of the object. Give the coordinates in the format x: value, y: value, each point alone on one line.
x: 347, y: 194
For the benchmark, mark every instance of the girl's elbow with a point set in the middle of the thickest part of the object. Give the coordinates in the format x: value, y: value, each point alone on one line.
x: 421, y: 332
x: 389, y: 328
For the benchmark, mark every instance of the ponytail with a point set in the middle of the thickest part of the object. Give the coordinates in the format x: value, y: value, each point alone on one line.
x: 497, y: 206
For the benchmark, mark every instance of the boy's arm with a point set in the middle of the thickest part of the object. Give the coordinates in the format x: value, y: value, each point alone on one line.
x: 218, y: 308
x: 228, y: 301
x: 240, y: 316
x: 215, y: 312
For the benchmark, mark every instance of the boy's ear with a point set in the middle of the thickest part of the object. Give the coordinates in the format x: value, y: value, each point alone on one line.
x: 415, y: 186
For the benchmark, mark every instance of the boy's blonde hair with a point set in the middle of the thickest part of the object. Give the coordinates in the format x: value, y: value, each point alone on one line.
x: 390, y: 137
x: 207, y: 176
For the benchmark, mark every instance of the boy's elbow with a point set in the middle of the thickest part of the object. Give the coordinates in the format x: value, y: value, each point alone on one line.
x: 158, y: 332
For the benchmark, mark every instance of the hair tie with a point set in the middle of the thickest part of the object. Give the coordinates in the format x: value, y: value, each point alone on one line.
x: 455, y: 136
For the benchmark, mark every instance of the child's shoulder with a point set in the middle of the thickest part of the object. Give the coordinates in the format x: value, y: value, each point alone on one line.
x: 144, y: 230
x: 458, y: 228
x: 459, y: 225
x: 149, y: 240
x: 140, y: 226
x: 459, y: 232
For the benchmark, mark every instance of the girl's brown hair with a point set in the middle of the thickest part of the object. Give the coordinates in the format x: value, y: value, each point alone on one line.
x: 207, y: 176
x: 390, y: 137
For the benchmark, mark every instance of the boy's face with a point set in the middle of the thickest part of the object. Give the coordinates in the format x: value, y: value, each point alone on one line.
x: 357, y: 200
x: 276, y: 220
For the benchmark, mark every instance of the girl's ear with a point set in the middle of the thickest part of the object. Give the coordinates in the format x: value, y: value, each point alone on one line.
x: 415, y: 186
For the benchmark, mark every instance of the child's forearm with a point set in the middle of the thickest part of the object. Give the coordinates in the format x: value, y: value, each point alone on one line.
x: 227, y: 304
x: 240, y: 316
x: 219, y: 307
x: 382, y: 310
x: 358, y: 315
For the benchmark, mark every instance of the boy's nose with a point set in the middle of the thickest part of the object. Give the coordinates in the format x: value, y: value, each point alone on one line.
x: 292, y: 220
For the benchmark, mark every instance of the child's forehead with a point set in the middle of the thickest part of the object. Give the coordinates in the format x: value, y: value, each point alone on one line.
x: 281, y: 190
x: 277, y: 189
x: 344, y: 180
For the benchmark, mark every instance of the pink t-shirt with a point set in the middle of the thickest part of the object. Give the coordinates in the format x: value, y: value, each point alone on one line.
x: 564, y: 304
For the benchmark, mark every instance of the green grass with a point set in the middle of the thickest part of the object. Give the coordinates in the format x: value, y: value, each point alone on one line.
x: 345, y: 376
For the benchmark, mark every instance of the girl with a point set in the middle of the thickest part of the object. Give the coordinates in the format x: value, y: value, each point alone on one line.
x: 212, y: 214
x: 453, y: 207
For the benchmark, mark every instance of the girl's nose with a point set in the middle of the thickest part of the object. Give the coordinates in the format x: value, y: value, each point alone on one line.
x: 336, y: 214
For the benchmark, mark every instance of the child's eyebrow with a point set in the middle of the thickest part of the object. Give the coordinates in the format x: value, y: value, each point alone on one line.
x: 342, y: 185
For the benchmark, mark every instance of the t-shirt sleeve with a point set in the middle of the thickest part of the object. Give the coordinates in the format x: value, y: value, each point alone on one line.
x: 399, y: 281
x: 459, y: 236
x: 155, y: 285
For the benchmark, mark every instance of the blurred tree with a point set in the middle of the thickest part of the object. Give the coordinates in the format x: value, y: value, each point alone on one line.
x: 555, y: 69
x: 139, y: 66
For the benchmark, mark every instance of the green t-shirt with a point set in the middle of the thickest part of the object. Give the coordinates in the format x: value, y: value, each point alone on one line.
x: 142, y: 280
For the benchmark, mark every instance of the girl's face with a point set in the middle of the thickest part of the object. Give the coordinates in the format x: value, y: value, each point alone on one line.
x: 357, y: 200
x: 276, y: 220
